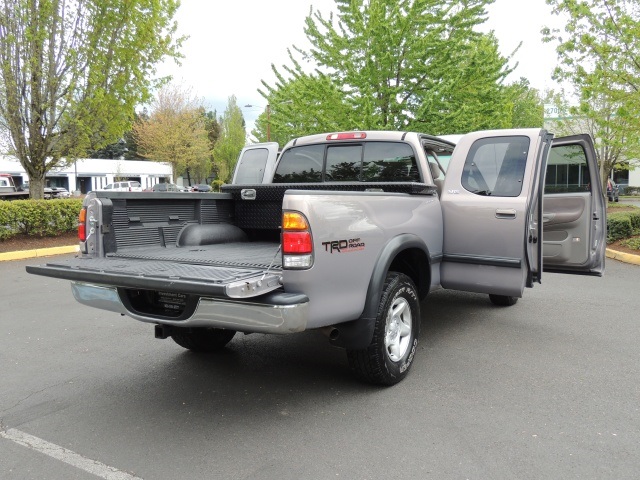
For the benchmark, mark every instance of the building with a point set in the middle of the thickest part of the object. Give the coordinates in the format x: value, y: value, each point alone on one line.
x: 88, y: 174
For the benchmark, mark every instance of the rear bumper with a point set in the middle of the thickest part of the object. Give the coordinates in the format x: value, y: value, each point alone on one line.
x: 274, y: 312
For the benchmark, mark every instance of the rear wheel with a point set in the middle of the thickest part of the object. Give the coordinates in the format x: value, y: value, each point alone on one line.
x: 202, y: 340
x: 503, y: 300
x: 387, y: 359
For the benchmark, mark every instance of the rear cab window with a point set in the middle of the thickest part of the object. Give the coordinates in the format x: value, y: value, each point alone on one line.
x: 374, y: 161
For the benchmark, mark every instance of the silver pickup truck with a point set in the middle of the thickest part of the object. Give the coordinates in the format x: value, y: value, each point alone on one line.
x: 345, y: 233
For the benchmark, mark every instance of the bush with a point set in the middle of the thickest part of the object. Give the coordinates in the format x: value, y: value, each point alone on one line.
x: 622, y: 225
x: 40, y: 218
x: 633, y: 243
x: 216, y: 184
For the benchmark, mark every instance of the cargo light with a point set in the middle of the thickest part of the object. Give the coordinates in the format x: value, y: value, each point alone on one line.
x: 347, y: 136
x: 297, y: 242
x: 82, y: 225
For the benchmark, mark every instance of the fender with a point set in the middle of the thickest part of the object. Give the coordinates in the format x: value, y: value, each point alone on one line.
x: 357, y: 334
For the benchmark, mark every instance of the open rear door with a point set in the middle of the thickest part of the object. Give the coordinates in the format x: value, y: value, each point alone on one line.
x: 255, y: 164
x: 491, y: 212
x: 574, y: 217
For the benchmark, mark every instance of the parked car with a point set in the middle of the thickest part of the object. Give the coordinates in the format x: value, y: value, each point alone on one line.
x: 128, y: 186
x: 165, y: 187
x: 613, y: 192
x: 201, y: 187
x: 59, y: 192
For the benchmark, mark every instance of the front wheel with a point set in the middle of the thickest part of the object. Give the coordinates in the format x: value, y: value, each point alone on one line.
x: 202, y: 340
x: 503, y: 300
x: 388, y: 357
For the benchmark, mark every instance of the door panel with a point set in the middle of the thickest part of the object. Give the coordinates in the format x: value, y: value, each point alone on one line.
x: 574, y: 218
x: 489, y: 204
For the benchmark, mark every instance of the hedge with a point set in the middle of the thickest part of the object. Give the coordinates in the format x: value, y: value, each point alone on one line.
x: 622, y: 225
x: 48, y: 218
x: 39, y: 218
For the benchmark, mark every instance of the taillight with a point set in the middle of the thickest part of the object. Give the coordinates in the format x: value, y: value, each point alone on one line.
x: 297, y: 242
x: 82, y: 225
x: 347, y: 136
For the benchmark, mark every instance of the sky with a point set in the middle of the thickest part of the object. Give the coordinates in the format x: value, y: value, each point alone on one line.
x: 232, y: 45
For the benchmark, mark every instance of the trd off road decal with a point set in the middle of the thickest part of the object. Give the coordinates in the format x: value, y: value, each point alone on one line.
x: 344, y: 246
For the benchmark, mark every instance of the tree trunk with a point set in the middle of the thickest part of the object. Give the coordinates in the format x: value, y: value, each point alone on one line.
x: 36, y: 187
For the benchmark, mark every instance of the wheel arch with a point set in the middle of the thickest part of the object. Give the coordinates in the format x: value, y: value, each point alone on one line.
x: 406, y: 253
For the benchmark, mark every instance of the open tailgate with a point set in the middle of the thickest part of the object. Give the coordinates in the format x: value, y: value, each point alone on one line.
x: 214, y: 270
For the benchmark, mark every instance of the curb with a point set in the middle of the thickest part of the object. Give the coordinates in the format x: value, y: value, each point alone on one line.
x: 623, y: 257
x: 39, y: 252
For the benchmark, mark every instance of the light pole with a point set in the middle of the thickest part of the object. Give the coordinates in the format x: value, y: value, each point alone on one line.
x: 268, y: 108
x: 248, y: 105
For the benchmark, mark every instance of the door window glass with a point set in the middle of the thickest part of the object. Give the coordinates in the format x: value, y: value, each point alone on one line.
x: 495, y: 166
x: 389, y: 162
x: 300, y: 165
x: 567, y: 170
x: 252, y: 165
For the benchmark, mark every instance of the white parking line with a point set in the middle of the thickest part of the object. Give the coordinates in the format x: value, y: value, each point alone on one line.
x: 67, y: 456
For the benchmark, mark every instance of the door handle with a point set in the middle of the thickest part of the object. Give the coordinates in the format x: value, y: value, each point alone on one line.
x: 506, y: 213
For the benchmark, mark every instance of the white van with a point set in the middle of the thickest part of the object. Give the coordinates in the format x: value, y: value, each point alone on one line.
x: 124, y: 187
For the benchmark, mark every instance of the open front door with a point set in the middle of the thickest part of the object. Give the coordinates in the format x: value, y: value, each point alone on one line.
x: 490, y: 211
x: 574, y: 218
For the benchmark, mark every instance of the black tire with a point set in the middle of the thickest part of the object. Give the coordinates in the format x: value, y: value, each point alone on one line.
x: 387, y: 359
x: 203, y: 340
x: 503, y: 300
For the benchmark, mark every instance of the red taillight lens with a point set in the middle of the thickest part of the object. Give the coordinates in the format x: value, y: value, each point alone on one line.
x: 82, y: 225
x: 296, y: 242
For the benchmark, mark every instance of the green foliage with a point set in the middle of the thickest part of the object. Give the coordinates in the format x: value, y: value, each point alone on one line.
x: 527, y: 107
x: 216, y: 184
x: 633, y: 243
x: 71, y: 74
x: 393, y: 64
x: 40, y: 218
x: 599, y: 57
x: 622, y: 225
x: 231, y: 140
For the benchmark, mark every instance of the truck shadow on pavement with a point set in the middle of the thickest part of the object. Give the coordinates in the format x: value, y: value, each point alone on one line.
x: 264, y: 375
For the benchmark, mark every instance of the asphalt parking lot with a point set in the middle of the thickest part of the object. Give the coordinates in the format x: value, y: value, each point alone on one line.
x: 545, y: 389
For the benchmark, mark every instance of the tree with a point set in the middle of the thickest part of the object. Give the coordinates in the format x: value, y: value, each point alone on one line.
x: 126, y: 146
x: 615, y: 138
x: 71, y: 74
x: 231, y: 140
x: 397, y: 64
x: 175, y: 132
x: 302, y: 105
x: 600, y: 58
x: 526, y: 105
